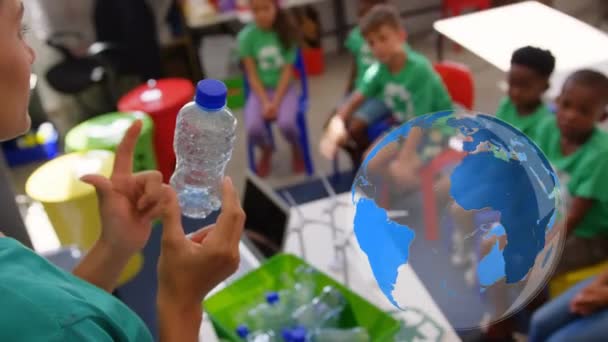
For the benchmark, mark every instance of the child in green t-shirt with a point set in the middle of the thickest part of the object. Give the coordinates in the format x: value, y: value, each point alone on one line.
x: 578, y: 150
x: 267, y: 48
x: 528, y: 80
x: 355, y: 43
x: 402, y: 78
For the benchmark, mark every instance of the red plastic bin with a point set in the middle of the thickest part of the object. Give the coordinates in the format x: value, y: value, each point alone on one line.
x: 162, y: 100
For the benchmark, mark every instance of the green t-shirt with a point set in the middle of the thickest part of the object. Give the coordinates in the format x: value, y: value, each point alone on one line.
x: 582, y: 174
x: 413, y: 91
x: 266, y: 49
x: 356, y: 44
x: 43, y: 303
x: 525, y: 123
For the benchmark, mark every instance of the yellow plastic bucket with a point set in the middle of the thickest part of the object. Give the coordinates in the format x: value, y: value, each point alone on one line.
x: 71, y: 205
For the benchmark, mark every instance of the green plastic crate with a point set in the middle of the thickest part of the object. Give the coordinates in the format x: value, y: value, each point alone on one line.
x: 225, y: 306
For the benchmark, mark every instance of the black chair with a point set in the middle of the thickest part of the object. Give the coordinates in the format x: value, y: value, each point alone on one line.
x: 75, y: 74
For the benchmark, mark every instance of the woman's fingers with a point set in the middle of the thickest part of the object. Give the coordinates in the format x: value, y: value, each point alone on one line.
x: 151, y: 182
x: 232, y: 218
x: 123, y: 164
x: 171, y: 217
x: 200, y: 235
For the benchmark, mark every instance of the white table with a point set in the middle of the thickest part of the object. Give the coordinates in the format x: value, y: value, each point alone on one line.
x: 494, y: 34
x: 314, y: 219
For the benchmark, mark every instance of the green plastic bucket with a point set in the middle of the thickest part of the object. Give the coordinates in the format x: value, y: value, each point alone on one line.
x: 105, y: 132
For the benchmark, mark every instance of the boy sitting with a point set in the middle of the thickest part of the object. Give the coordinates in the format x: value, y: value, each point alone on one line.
x: 528, y: 80
x: 578, y: 149
x: 402, y: 78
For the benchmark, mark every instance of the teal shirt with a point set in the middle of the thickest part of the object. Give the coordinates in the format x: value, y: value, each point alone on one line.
x: 43, y: 303
x: 413, y: 91
x: 358, y: 47
x: 266, y: 50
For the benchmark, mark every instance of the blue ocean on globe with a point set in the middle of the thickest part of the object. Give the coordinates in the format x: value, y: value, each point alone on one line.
x: 472, y: 223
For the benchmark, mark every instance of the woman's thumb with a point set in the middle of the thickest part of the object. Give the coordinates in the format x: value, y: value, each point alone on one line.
x: 102, y: 185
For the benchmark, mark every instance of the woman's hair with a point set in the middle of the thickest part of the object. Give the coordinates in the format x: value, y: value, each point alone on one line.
x: 285, y: 27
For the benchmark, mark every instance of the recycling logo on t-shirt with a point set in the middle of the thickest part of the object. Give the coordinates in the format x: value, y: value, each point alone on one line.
x: 399, y: 100
x: 270, y: 58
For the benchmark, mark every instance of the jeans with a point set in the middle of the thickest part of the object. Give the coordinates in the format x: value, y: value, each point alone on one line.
x: 554, y: 322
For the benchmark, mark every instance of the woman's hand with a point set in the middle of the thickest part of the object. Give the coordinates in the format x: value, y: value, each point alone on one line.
x: 128, y: 202
x: 189, y: 268
x: 127, y: 205
x: 591, y: 299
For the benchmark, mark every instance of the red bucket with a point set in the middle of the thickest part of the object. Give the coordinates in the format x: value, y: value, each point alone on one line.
x: 162, y: 100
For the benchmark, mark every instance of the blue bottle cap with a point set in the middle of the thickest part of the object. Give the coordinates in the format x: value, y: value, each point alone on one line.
x: 272, y: 297
x: 298, y: 334
x: 211, y: 94
x: 242, y: 331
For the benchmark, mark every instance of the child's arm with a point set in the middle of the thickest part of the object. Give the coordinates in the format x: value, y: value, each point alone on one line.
x: 254, y: 80
x: 286, y: 76
x: 353, y: 103
x: 351, y: 79
x: 576, y: 214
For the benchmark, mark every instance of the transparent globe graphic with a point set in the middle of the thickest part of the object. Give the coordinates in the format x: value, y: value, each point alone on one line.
x: 471, y: 204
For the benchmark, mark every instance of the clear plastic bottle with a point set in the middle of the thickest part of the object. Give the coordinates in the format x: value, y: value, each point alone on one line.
x: 204, y: 139
x: 272, y: 315
x: 323, y: 311
x: 340, y: 335
x: 256, y: 336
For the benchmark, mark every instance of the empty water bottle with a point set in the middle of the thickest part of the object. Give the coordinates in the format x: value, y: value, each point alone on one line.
x: 256, y: 336
x: 204, y: 138
x: 323, y: 311
x: 272, y: 315
x: 301, y: 287
x: 339, y: 335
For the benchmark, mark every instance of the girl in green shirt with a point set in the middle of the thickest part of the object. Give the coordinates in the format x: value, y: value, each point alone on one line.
x: 268, y: 48
x: 43, y: 303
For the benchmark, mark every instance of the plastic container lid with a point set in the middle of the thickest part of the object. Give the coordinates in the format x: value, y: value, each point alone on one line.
x: 157, y: 96
x: 59, y: 179
x: 211, y: 94
x: 272, y: 297
x: 242, y: 331
x: 104, y: 131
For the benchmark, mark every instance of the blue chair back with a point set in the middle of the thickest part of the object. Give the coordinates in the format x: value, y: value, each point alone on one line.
x: 302, y: 123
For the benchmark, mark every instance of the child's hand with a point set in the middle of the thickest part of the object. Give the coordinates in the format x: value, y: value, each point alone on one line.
x: 335, y: 135
x: 269, y: 110
x: 189, y: 268
x: 592, y: 298
x: 128, y: 203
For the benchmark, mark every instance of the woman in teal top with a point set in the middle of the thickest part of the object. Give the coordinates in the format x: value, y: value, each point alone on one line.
x: 43, y: 303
